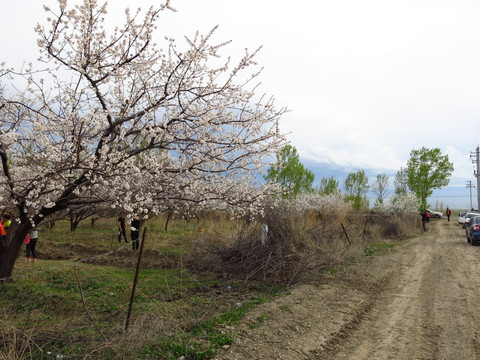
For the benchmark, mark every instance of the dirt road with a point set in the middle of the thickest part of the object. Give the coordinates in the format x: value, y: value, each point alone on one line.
x: 420, y: 301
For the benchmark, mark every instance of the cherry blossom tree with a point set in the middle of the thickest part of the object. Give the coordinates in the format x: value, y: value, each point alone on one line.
x: 327, y: 205
x: 116, y: 119
x: 400, y: 204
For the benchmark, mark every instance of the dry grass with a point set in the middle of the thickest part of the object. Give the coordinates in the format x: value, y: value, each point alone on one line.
x: 298, y: 245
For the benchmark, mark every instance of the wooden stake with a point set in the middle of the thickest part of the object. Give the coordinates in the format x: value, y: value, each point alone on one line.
x: 132, y: 297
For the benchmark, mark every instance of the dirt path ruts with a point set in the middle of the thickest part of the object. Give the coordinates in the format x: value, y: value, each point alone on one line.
x: 421, y: 301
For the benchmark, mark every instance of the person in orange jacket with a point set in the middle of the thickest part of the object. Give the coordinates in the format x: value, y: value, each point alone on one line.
x: 2, y: 228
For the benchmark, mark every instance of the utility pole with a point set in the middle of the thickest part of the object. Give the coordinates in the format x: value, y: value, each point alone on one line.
x: 470, y: 186
x: 476, y: 160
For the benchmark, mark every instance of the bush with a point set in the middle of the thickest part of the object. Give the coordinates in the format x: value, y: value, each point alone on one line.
x: 305, y: 237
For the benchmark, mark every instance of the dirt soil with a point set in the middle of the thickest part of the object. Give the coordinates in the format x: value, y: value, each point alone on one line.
x: 419, y: 301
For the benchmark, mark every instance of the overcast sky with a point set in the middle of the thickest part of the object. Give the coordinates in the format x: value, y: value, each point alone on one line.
x: 366, y: 81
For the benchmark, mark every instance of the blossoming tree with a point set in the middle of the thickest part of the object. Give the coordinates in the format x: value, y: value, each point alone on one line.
x: 115, y: 119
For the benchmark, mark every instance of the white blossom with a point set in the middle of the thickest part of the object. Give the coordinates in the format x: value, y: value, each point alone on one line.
x: 117, y: 120
x: 399, y: 205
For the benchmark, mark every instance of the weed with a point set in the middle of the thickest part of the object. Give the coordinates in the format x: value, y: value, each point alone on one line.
x: 259, y: 320
x: 373, y: 249
x: 221, y: 339
x: 333, y: 271
x: 263, y: 317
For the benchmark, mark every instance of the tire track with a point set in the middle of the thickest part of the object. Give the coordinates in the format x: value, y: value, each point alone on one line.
x: 425, y: 314
x: 421, y: 301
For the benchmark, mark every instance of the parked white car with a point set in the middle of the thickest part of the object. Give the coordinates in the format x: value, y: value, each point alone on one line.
x: 468, y: 216
x: 462, y: 218
x: 434, y: 214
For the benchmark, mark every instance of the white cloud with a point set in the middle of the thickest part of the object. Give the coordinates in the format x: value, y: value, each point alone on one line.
x: 464, y: 168
x: 366, y: 81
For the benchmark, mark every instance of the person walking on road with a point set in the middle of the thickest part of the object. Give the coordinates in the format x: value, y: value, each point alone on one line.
x: 121, y: 228
x: 424, y: 219
x: 448, y: 212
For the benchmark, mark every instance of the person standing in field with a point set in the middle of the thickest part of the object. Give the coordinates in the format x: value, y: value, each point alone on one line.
x: 121, y: 228
x: 6, y: 221
x: 2, y: 228
x: 448, y: 212
x: 135, y: 232
x: 31, y: 241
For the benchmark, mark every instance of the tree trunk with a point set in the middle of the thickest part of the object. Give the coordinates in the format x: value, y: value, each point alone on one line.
x: 49, y: 225
x: 10, y: 247
x: 74, y: 221
x: 169, y: 216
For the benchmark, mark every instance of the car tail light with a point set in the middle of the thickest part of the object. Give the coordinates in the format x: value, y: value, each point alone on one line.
x: 476, y: 227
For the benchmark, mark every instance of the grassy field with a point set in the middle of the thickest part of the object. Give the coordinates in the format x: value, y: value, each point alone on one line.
x: 73, y: 302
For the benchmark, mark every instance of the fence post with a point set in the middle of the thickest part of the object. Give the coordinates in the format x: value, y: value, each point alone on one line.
x: 134, y: 286
x: 346, y: 235
x: 264, y: 234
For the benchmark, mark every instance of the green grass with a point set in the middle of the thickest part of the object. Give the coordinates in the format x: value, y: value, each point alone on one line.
x: 50, y: 303
x: 378, y: 248
x: 335, y: 270
x: 181, y: 235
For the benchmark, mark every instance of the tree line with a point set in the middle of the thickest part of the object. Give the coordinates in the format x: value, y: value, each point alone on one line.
x: 426, y: 170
